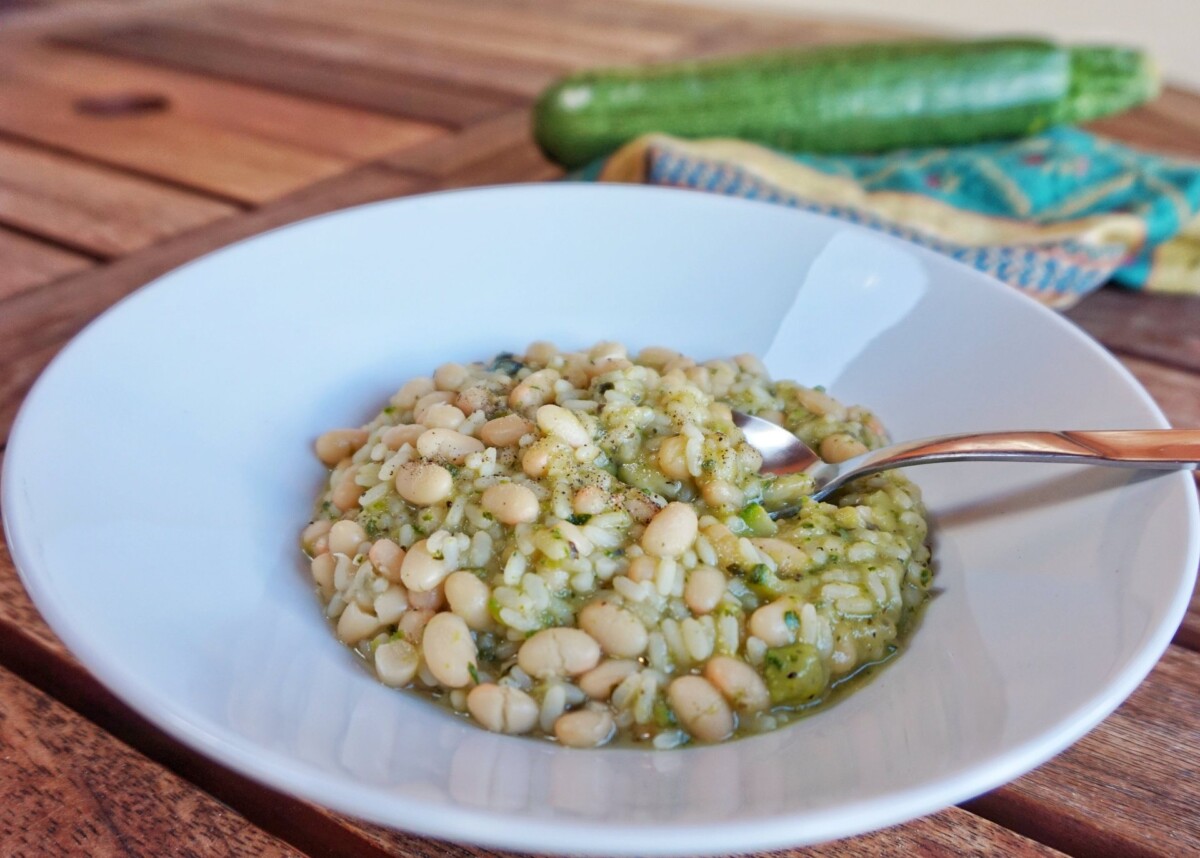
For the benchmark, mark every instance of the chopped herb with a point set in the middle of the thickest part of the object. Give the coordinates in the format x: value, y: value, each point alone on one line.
x: 390, y: 410
x: 507, y: 363
x: 471, y: 669
x: 791, y: 620
x: 579, y: 518
x: 663, y: 716
x: 760, y: 574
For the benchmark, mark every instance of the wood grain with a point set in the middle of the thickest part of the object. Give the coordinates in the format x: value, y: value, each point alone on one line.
x: 1177, y: 392
x: 69, y: 788
x: 947, y: 834
x: 99, y: 211
x: 464, y: 70
x: 29, y: 263
x: 226, y: 163
x: 1165, y: 328
x: 320, y: 128
x: 35, y: 324
x: 539, y: 39
x: 263, y: 58
x: 459, y: 151
x: 1131, y: 787
x: 1170, y: 124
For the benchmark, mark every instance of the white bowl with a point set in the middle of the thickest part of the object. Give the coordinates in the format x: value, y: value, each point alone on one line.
x: 161, y: 469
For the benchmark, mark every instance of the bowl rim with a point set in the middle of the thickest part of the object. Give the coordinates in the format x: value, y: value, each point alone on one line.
x: 586, y: 836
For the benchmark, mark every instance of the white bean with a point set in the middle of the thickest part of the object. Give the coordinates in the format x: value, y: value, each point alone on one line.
x: 315, y: 538
x: 412, y: 625
x: 720, y: 494
x: 396, y: 663
x: 505, y: 431
x: 345, y: 537
x: 322, y: 572
x: 387, y: 557
x: 510, y: 503
x: 502, y: 708
x: 540, y: 352
x: 770, y: 622
x: 428, y: 600
x: 355, y: 624
x: 839, y: 447
x: 561, y: 423
x: 337, y: 444
x: 395, y: 437
x: 590, y: 500
x: 447, y: 444
x: 428, y: 401
x: 672, y: 459
x: 536, y: 459
x: 468, y: 597
x: 558, y: 652
x: 739, y: 682
x: 584, y: 728
x: 443, y: 416
x: 450, y: 376
x: 423, y: 483
x: 700, y: 708
x: 704, y: 589
x: 449, y: 650
x: 599, y: 682
x: 672, y: 531
x: 618, y: 632
x: 391, y: 604
x: 535, y: 390
x: 346, y: 493
x: 420, y: 570
x: 407, y: 396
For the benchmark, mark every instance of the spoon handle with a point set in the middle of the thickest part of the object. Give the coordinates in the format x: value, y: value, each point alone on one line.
x: 1130, y: 448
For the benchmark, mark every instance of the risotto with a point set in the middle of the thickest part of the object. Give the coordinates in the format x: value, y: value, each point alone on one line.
x: 580, y: 546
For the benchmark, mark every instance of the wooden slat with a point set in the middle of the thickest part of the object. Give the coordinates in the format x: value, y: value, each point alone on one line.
x: 69, y: 788
x: 100, y: 211
x: 548, y: 21
x: 35, y: 324
x: 537, y: 38
x: 1171, y: 124
x: 948, y: 834
x: 1165, y: 328
x: 753, y: 35
x: 1177, y: 392
x: 317, y: 127
x: 262, y: 58
x: 469, y: 70
x: 220, y: 161
x: 1188, y: 635
x: 27, y: 263
x: 458, y: 151
x: 1131, y: 787
x: 31, y: 650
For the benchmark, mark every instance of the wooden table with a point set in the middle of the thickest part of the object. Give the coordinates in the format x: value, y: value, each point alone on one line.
x: 137, y: 135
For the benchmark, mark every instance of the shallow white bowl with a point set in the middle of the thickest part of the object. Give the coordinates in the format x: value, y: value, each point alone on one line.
x: 160, y: 471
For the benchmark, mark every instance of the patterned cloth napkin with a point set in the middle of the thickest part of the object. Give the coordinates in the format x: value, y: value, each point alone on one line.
x: 1055, y: 215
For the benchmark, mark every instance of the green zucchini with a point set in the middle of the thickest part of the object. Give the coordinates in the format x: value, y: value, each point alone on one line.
x: 846, y: 98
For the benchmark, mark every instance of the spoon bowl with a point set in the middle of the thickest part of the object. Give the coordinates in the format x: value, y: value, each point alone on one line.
x: 1153, y: 449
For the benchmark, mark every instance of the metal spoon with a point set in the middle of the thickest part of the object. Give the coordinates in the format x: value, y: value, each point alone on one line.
x: 1159, y: 449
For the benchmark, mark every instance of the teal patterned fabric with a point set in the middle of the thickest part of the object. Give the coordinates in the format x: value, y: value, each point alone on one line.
x: 1062, y: 174
x: 1055, y: 215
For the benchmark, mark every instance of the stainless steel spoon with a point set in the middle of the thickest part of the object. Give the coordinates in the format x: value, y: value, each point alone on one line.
x: 1159, y: 449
